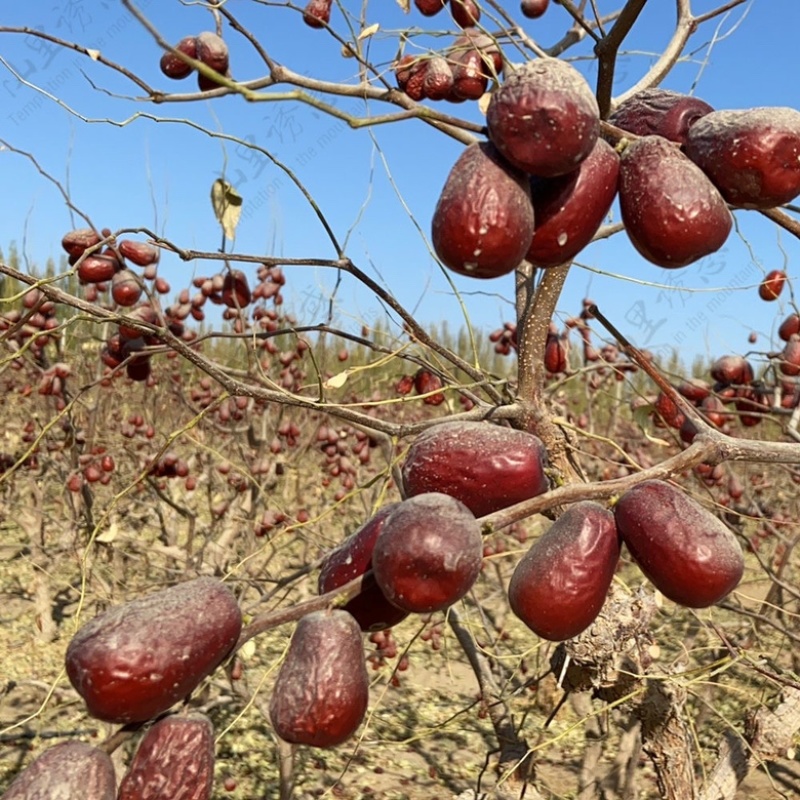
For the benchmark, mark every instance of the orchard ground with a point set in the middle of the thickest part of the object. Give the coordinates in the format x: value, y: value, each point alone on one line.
x: 423, y: 740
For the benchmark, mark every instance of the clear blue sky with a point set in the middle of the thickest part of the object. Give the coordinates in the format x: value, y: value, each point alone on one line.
x: 375, y: 186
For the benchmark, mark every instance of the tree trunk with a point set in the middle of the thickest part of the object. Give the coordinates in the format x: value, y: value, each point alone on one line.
x: 667, y: 740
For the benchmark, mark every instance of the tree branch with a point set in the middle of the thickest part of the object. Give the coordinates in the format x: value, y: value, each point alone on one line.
x: 606, y: 51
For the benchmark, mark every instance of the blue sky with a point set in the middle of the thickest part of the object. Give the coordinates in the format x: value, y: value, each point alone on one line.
x: 377, y: 187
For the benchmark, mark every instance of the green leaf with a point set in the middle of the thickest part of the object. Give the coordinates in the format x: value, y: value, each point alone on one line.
x: 227, y: 205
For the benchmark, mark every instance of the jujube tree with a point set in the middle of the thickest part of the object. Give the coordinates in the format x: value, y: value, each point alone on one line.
x: 472, y: 486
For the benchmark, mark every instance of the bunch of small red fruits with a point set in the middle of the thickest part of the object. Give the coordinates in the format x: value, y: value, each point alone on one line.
x: 208, y: 48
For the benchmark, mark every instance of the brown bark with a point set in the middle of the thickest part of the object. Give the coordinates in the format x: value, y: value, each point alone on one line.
x: 667, y: 739
x: 768, y: 736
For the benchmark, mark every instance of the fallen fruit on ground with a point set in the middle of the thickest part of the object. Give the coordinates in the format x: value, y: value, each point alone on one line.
x: 175, y: 759
x: 135, y: 660
x: 688, y: 554
x: 544, y: 118
x: 752, y: 156
x: 67, y: 770
x: 673, y: 215
x: 483, y: 221
x: 487, y: 467
x: 569, y: 209
x: 428, y: 553
x: 322, y: 689
x: 561, y: 583
x: 660, y: 112
x: 353, y: 557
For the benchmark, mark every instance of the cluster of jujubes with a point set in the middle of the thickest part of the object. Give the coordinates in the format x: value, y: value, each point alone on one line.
x: 536, y: 190
x: 130, y: 664
x: 543, y: 183
x: 175, y: 758
x: 104, y: 264
x: 423, y: 551
x: 460, y: 72
x: 34, y: 325
x: 463, y: 70
x: 207, y: 47
x: 561, y: 583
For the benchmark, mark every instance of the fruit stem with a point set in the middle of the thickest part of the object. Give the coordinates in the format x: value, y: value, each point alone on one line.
x: 120, y: 736
x: 273, y: 619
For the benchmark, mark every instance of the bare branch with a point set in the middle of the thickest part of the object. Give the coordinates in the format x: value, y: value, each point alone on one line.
x: 784, y: 220
x: 606, y: 51
x: 94, y: 55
